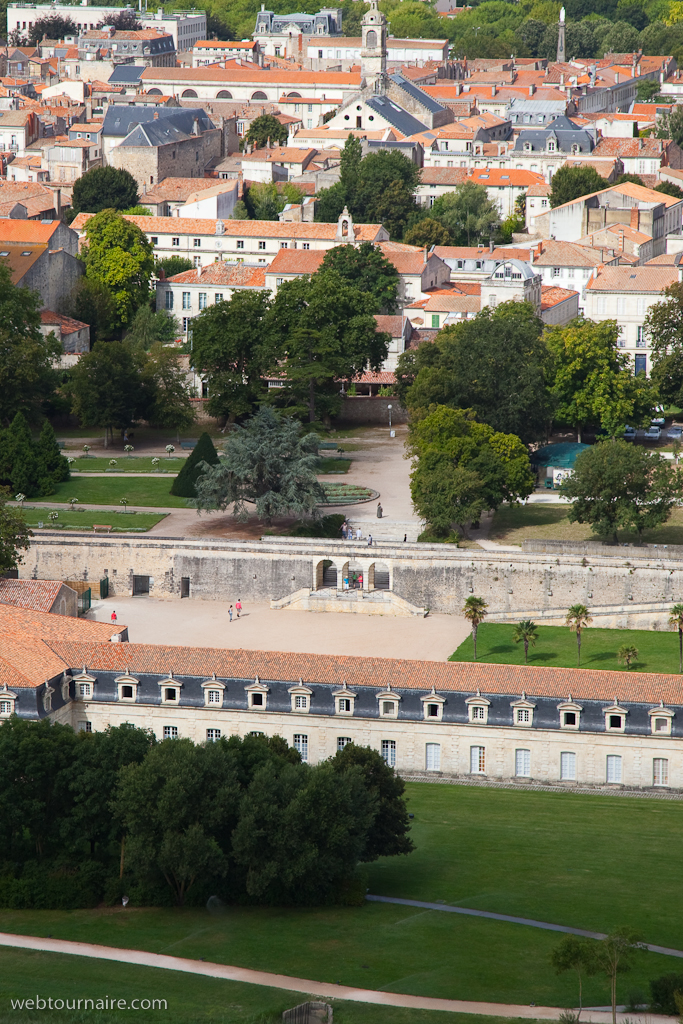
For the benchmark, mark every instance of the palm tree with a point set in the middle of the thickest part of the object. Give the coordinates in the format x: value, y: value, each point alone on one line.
x: 577, y: 619
x: 627, y: 654
x: 676, y: 622
x: 474, y: 611
x: 526, y: 632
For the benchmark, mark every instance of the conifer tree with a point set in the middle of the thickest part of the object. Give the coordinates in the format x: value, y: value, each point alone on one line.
x: 204, y: 451
x: 55, y: 463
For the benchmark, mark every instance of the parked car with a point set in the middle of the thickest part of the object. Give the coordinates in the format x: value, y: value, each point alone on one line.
x: 653, y: 433
x: 658, y: 421
x: 674, y: 433
x: 629, y: 434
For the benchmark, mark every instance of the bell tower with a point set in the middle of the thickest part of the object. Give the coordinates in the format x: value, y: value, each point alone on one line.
x: 373, y: 54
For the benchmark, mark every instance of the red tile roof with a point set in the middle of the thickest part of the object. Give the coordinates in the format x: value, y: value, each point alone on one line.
x: 633, y: 279
x: 551, y: 296
x: 66, y: 324
x: 236, y: 228
x: 228, y: 274
x: 32, y: 232
x: 38, y: 595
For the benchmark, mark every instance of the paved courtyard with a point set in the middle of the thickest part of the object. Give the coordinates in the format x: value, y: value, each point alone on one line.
x: 206, y: 624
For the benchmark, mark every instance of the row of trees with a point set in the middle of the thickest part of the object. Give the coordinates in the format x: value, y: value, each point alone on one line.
x: 91, y: 816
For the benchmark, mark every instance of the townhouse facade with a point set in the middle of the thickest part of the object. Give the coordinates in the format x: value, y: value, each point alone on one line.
x: 186, y: 295
x: 248, y: 83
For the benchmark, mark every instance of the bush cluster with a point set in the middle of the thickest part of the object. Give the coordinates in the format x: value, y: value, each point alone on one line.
x: 30, y: 467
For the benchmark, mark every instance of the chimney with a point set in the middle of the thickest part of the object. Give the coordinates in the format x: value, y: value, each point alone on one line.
x: 616, y: 78
x: 156, y: 115
x: 493, y: 90
x: 561, y: 79
x: 58, y: 203
x: 635, y: 218
x: 492, y: 245
x: 532, y: 89
x: 199, y: 273
x: 424, y: 256
x: 195, y: 127
x: 621, y: 241
x: 458, y: 88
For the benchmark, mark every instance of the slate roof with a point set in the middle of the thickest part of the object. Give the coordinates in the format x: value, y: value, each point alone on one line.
x: 119, y: 120
x: 423, y: 98
x: 566, y: 133
x: 126, y: 74
x: 395, y: 115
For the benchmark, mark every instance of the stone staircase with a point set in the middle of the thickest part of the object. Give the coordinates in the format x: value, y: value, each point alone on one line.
x: 386, y: 528
x: 363, y: 602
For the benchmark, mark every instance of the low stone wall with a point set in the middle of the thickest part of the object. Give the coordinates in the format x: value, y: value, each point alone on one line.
x: 363, y: 409
x: 434, y: 576
x: 596, y: 547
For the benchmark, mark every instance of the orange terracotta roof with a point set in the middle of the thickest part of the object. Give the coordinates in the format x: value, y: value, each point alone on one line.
x: 552, y: 296
x: 232, y: 275
x: 39, y: 595
x: 66, y: 324
x: 393, y: 325
x: 251, y: 73
x: 500, y: 177
x: 28, y: 231
x: 236, y: 228
x: 633, y: 279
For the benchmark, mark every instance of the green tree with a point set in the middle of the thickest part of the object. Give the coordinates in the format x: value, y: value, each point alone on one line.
x: 669, y: 189
x: 593, y: 382
x: 175, y: 807
x: 50, y: 455
x: 462, y: 467
x: 53, y: 26
x: 104, y: 188
x: 22, y: 463
x: 203, y: 454
x: 627, y: 655
x: 496, y: 364
x: 265, y: 200
x: 172, y: 265
x: 322, y: 343
x: 664, y: 326
x: 574, y: 953
x: 264, y: 128
x: 646, y: 90
x: 365, y: 267
x: 572, y: 182
x: 149, y: 327
x: 616, y: 485
x: 525, y: 632
x: 621, y: 38
x: 117, y: 254
x: 388, y: 834
x: 474, y: 610
x: 578, y: 619
x: 467, y: 213
x: 137, y: 211
x: 14, y: 534
x: 615, y: 955
x: 625, y: 178
x: 268, y: 463
x: 426, y: 233
x: 410, y: 20
x: 92, y: 303
x: 107, y: 388
x: 676, y: 622
x: 168, y: 399
x: 670, y: 126
x: 27, y: 375
x: 232, y: 347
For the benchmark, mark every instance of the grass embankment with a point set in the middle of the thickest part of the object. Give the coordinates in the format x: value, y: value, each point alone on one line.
x: 82, y: 520
x: 513, y: 524
x: 546, y: 856
x: 104, y: 490
x: 556, y: 646
x: 127, y: 464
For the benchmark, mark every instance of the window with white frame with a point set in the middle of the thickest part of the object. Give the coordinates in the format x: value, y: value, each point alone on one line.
x: 614, y: 721
x: 641, y: 340
x: 389, y: 752
x: 212, y: 735
x: 175, y: 242
x: 433, y: 757
x: 388, y: 707
x: 169, y: 300
x: 621, y: 305
x: 218, y: 297
x: 660, y: 722
x: 262, y: 245
x: 343, y: 741
x: 432, y: 710
x: 478, y: 760
x: 187, y: 300
x: 557, y: 271
x: 614, y: 768
x: 344, y: 705
x: 478, y: 713
x: 568, y: 766
x: 203, y: 300
x: 196, y: 242
x: 6, y: 707
x: 523, y: 763
x: 197, y: 261
x: 601, y: 304
x: 84, y: 690
x: 214, y: 697
x: 660, y: 771
x: 306, y: 245
x: 301, y: 703
x: 85, y: 726
x: 301, y: 745
x: 523, y: 716
x: 187, y: 320
x: 169, y: 695
x: 240, y: 243
x: 170, y: 732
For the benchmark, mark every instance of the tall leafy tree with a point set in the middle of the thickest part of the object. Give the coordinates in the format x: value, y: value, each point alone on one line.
x: 664, y: 327
x: 266, y: 200
x: 615, y: 955
x: 14, y: 534
x: 54, y: 26
x: 426, y: 233
x: 117, y: 254
x: 267, y: 463
x: 574, y: 953
x: 264, y: 128
x: 27, y: 374
x: 107, y: 388
x: 50, y: 455
x: 149, y: 326
x: 620, y: 486
x: 172, y: 265
x: 467, y: 213
x: 525, y: 632
x: 92, y: 302
x: 232, y: 348
x: 365, y: 267
x: 496, y: 364
x: 168, y: 399
x: 593, y: 382
x: 573, y: 182
x: 474, y: 610
x: 104, y: 188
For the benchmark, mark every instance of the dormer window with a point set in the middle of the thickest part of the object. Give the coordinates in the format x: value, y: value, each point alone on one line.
x: 301, y: 698
x: 344, y: 700
x: 527, y: 147
x: 570, y: 714
x: 84, y: 690
x: 127, y: 687
x: 170, y: 694
x: 257, y: 695
x: 432, y: 706
x: 615, y: 718
x: 478, y: 709
x: 661, y: 720
x: 213, y: 692
x: 388, y: 703
x: 83, y: 685
x: 7, y: 700
x: 169, y: 689
x: 523, y: 712
x: 551, y: 146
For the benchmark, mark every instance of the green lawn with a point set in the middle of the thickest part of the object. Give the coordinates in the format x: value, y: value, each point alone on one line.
x: 190, y: 999
x: 82, y: 520
x: 513, y: 524
x: 102, y: 490
x: 128, y: 464
x: 573, y: 859
x: 556, y: 645
x: 334, y: 465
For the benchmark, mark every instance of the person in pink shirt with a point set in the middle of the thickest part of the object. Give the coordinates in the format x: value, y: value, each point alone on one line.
x: 238, y: 606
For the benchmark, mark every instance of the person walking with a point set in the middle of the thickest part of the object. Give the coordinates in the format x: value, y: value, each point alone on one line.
x: 359, y: 534
x: 230, y: 612
x: 238, y: 606
x: 113, y: 616
x: 369, y: 540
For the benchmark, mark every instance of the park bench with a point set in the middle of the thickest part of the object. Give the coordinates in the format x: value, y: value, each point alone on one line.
x: 100, y: 526
x: 188, y: 444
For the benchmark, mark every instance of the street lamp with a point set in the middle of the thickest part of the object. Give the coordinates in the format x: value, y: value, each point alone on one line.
x: 389, y: 408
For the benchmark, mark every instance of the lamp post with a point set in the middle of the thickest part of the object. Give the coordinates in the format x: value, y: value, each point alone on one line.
x: 389, y: 408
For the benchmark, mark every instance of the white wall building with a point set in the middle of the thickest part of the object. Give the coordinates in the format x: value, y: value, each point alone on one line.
x: 186, y: 27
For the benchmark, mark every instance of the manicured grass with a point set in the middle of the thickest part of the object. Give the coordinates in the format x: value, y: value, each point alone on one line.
x: 574, y: 859
x: 334, y: 465
x: 82, y: 520
x: 127, y: 464
x: 514, y: 523
x: 190, y: 999
x: 102, y: 490
x: 556, y: 646
x: 346, y: 494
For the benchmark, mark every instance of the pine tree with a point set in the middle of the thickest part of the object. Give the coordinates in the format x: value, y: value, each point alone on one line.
x: 204, y: 451
x: 55, y: 463
x: 26, y: 472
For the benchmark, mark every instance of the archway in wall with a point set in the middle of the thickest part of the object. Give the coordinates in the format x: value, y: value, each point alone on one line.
x: 352, y: 576
x: 154, y: 92
x: 379, y: 576
x: 371, y: 39
x: 224, y: 95
x: 189, y: 94
x: 328, y: 576
x: 294, y: 95
x: 258, y: 95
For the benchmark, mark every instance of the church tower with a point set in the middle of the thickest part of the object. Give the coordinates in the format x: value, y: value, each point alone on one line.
x: 561, y: 39
x: 373, y: 54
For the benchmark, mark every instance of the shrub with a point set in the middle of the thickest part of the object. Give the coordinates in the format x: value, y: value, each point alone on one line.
x: 328, y: 526
x: 663, y: 990
x: 204, y: 451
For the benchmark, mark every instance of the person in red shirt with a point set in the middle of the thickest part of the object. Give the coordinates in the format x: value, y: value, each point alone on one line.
x: 113, y: 616
x: 238, y: 606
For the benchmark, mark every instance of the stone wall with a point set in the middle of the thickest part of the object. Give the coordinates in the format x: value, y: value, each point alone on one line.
x: 186, y: 158
x: 515, y: 586
x: 363, y: 409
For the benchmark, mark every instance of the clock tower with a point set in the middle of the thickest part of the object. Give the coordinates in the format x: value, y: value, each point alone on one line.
x: 373, y: 54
